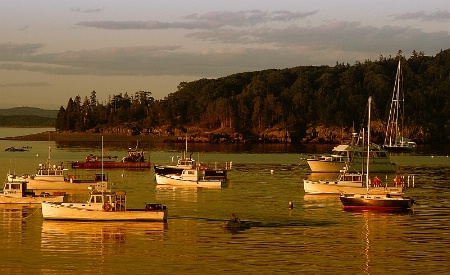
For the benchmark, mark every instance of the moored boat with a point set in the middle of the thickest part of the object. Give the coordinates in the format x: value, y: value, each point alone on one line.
x: 188, y: 173
x: 16, y: 192
x: 391, y: 201
x: 135, y: 159
x: 394, y: 140
x: 352, y: 155
x: 190, y: 178
x: 103, y: 206
x: 204, y: 172
x: 55, y: 178
x: 348, y: 182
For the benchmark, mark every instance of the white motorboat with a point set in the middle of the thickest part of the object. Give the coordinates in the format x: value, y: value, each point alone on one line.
x: 15, y: 192
x: 103, y: 206
x: 348, y: 182
x: 190, y: 178
x: 352, y: 155
x: 54, y: 178
x: 190, y: 174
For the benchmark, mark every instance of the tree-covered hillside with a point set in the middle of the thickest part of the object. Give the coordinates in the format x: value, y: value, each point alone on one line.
x: 289, y: 100
x: 27, y: 117
x: 28, y: 111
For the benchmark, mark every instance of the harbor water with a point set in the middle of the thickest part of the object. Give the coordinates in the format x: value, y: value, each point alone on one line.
x: 314, y: 236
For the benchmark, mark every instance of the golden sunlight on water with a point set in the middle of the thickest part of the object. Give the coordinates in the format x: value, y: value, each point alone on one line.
x: 316, y: 236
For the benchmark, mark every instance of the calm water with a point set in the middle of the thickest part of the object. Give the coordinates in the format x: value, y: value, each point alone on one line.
x: 315, y: 237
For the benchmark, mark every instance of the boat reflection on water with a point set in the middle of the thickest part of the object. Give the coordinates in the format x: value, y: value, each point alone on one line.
x: 398, y: 211
x: 176, y: 193
x: 69, y: 227
x: 18, y: 212
x: 60, y: 235
x: 375, y: 227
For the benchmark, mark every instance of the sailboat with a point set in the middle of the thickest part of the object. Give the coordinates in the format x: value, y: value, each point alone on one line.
x: 394, y: 140
x: 392, y: 201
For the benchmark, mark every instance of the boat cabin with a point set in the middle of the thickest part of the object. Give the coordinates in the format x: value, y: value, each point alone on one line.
x: 14, y: 189
x: 350, y: 177
x: 18, y: 189
x: 109, y: 201
x: 186, y: 163
x: 50, y: 170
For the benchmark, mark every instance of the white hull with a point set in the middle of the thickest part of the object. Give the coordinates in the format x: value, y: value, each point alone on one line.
x: 325, y: 166
x: 56, y: 211
x: 29, y: 200
x: 50, y: 187
x: 174, y: 180
x: 336, y: 187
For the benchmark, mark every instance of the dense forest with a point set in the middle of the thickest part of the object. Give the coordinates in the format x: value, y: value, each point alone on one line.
x: 291, y: 101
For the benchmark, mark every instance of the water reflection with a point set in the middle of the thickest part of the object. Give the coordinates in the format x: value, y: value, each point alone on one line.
x: 316, y: 236
x: 95, y: 237
x: 14, y: 214
x: 188, y: 194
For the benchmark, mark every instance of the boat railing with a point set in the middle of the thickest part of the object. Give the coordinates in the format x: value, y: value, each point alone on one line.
x: 216, y: 165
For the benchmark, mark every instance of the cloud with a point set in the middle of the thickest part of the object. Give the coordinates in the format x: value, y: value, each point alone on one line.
x: 23, y: 84
x: 210, y: 20
x: 438, y: 16
x: 238, y: 41
x: 24, y: 28
x: 14, y: 52
x: 88, y: 10
x: 339, y: 35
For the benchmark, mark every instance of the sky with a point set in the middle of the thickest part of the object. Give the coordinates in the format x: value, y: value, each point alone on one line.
x: 53, y: 50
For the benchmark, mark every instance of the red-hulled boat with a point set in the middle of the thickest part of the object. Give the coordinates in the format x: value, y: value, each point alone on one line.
x: 134, y: 160
x: 388, y: 200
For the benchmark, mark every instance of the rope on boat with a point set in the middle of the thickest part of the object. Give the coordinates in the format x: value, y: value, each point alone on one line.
x: 25, y: 218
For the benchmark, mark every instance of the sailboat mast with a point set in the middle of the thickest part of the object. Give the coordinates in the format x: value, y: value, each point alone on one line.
x: 368, y: 146
x: 102, y: 167
x: 397, y: 103
x: 392, y: 130
x: 401, y: 98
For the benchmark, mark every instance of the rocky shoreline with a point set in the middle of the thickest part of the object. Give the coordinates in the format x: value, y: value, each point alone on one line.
x: 314, y: 134
x: 83, y: 137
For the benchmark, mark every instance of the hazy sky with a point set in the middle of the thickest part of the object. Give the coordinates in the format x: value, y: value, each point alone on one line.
x: 51, y: 50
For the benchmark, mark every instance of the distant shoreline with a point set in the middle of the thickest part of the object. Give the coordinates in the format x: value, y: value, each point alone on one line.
x: 86, y: 137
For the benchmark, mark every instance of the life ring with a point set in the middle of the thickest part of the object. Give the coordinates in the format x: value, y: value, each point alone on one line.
x: 107, y: 207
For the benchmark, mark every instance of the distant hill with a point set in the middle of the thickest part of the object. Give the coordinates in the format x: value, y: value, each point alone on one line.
x: 27, y: 117
x: 29, y: 111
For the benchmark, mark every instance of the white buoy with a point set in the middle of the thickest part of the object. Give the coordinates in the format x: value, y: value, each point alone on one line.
x: 271, y: 171
x: 122, y: 175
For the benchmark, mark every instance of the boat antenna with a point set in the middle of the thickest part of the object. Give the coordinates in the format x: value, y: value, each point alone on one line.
x: 49, y: 153
x: 368, y: 146
x: 185, y: 152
